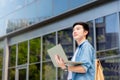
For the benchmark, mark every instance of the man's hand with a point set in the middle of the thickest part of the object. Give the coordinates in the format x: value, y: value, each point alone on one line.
x: 60, y: 62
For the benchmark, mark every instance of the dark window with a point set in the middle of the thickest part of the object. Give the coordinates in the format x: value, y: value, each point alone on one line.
x: 107, y: 35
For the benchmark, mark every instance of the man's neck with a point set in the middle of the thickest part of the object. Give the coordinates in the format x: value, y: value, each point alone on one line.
x: 80, y: 41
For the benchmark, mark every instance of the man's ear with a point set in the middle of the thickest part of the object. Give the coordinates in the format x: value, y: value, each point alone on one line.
x: 86, y: 32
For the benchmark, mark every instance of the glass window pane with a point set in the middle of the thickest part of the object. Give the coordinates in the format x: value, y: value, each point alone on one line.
x: 22, y: 74
x: 112, y: 31
x: 48, y: 71
x: 10, y: 5
x: 34, y: 72
x: 29, y: 1
x: 31, y: 13
x: 66, y: 40
x: 77, y: 3
x: 22, y: 52
x: 107, y: 35
x: 1, y: 62
x: 111, y: 68
x: 16, y: 20
x: 1, y: 58
x: 48, y: 42
x: 0, y: 74
x: 22, y: 17
x: 58, y: 9
x: 12, y: 56
x: 91, y: 33
x: 62, y: 75
x: 11, y: 74
x: 35, y: 49
x: 44, y: 8
x: 2, y: 27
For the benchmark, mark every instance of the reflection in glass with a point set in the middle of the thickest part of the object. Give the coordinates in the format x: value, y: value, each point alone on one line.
x: 22, y: 18
x: 45, y: 8
x: 48, y: 71
x: 35, y: 50
x: 58, y: 9
x: 1, y: 58
x: 6, y: 5
x: 2, y: 27
x: 11, y: 74
x: 107, y: 35
x: 91, y: 33
x: 0, y: 74
x: 77, y: 3
x: 29, y: 1
x: 16, y: 21
x: 22, y: 74
x: 12, y: 56
x: 65, y: 38
x: 31, y: 17
x: 48, y: 42
x: 62, y: 75
x: 100, y: 33
x: 34, y: 72
x: 111, y: 68
x: 22, y: 53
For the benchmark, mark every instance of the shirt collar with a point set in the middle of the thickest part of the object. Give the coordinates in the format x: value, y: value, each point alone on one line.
x: 82, y: 43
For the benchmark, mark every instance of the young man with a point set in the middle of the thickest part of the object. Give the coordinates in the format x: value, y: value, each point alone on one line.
x: 85, y: 53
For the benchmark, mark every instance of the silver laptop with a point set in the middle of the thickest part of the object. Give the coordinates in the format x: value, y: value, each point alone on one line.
x: 58, y: 50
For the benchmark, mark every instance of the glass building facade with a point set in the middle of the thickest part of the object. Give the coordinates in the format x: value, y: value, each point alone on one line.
x: 30, y: 27
x: 24, y: 13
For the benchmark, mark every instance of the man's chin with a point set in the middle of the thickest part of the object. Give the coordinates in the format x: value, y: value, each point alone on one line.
x: 75, y: 38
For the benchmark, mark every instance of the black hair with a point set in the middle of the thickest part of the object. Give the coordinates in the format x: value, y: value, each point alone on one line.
x: 85, y: 26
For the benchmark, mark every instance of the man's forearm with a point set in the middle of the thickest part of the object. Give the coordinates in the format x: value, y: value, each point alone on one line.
x: 78, y: 69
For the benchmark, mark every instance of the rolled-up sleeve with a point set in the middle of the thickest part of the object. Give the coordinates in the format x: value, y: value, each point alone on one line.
x: 86, y: 56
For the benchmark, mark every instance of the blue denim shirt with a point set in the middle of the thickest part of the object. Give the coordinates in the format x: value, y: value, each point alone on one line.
x: 86, y: 55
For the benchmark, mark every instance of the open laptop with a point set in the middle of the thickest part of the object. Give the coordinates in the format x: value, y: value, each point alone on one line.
x: 58, y: 50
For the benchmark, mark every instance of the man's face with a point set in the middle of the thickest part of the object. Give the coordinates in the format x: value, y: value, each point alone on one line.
x: 78, y: 32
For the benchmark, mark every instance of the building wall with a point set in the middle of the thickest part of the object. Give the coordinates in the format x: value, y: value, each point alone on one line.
x: 27, y: 51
